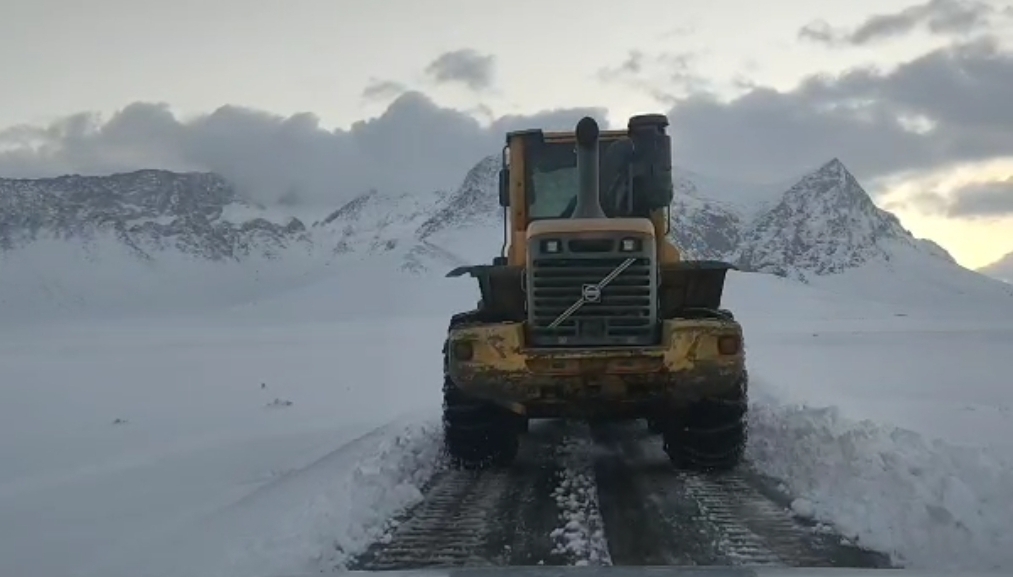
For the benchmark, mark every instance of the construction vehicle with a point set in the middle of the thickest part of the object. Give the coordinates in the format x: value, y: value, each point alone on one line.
x: 590, y: 312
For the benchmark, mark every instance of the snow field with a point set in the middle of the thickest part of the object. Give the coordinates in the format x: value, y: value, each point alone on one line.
x: 317, y: 518
x: 202, y: 447
x: 886, y: 414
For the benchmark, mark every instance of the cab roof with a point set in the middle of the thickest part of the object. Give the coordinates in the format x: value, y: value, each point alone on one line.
x: 563, y: 136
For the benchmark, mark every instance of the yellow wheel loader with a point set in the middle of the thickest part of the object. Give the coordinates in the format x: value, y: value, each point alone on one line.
x: 589, y: 312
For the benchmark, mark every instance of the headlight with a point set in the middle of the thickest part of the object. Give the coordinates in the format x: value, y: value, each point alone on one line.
x: 550, y: 246
x: 463, y: 350
x: 631, y: 245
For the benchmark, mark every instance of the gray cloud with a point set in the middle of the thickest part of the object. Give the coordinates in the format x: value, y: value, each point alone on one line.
x: 661, y: 75
x: 383, y: 89
x: 926, y: 202
x: 632, y: 66
x: 864, y: 116
x: 414, y: 145
x: 942, y: 17
x: 819, y: 31
x: 466, y: 66
x: 984, y: 199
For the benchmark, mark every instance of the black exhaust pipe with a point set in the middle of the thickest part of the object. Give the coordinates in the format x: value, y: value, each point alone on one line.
x: 588, y: 201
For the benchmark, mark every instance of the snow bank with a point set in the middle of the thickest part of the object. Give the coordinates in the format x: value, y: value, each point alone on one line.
x: 312, y: 519
x: 118, y: 437
x: 929, y: 503
x: 891, y: 420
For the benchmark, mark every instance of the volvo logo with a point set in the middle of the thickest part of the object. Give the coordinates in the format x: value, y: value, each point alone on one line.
x: 591, y: 293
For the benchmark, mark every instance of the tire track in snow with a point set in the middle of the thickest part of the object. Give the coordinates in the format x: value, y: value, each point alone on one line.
x: 643, y: 525
x: 449, y: 528
x: 686, y: 518
x: 498, y: 516
x: 603, y: 495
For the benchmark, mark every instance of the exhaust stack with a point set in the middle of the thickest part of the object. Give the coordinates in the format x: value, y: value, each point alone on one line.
x: 588, y: 201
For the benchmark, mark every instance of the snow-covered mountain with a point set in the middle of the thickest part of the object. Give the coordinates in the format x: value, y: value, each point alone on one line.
x: 820, y: 226
x: 1001, y: 269
x: 417, y: 226
x: 823, y: 224
x: 148, y: 211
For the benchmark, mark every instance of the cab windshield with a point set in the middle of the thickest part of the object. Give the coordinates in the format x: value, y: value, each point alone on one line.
x: 553, y: 184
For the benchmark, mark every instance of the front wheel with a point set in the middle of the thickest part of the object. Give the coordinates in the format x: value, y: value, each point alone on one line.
x: 710, y: 435
x: 477, y: 433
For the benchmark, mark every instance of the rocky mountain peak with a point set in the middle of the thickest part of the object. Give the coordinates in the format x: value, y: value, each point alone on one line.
x: 834, y: 166
x: 824, y: 224
x: 476, y: 201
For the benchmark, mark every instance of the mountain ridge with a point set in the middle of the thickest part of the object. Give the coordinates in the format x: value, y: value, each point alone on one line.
x: 147, y: 210
x: 196, y: 244
x: 823, y: 224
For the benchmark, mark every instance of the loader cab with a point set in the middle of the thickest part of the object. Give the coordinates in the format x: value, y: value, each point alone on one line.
x: 538, y: 180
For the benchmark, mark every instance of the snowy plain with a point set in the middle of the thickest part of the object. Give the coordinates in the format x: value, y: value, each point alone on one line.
x: 882, y: 404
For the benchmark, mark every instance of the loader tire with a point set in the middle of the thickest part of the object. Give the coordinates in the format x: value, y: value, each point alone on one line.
x: 710, y: 435
x: 476, y: 433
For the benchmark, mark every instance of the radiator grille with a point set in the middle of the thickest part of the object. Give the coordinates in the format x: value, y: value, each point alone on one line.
x: 624, y: 313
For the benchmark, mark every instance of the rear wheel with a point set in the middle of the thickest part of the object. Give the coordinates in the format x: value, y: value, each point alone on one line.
x: 709, y: 435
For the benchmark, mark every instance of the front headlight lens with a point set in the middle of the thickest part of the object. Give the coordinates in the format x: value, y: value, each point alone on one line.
x: 550, y: 246
x: 463, y: 350
x: 630, y: 245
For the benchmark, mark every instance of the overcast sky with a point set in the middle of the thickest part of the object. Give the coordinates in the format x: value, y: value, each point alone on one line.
x: 329, y: 97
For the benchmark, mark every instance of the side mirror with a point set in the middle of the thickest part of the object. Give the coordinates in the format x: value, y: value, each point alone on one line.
x: 504, y: 187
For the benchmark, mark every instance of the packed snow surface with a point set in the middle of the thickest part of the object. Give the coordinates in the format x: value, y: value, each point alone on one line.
x: 271, y: 417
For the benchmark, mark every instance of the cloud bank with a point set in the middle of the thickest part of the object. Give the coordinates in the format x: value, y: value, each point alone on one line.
x: 975, y: 200
x: 414, y: 145
x: 939, y: 17
x: 946, y: 107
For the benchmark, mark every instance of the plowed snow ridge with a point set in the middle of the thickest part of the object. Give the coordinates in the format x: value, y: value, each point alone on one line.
x: 931, y: 503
